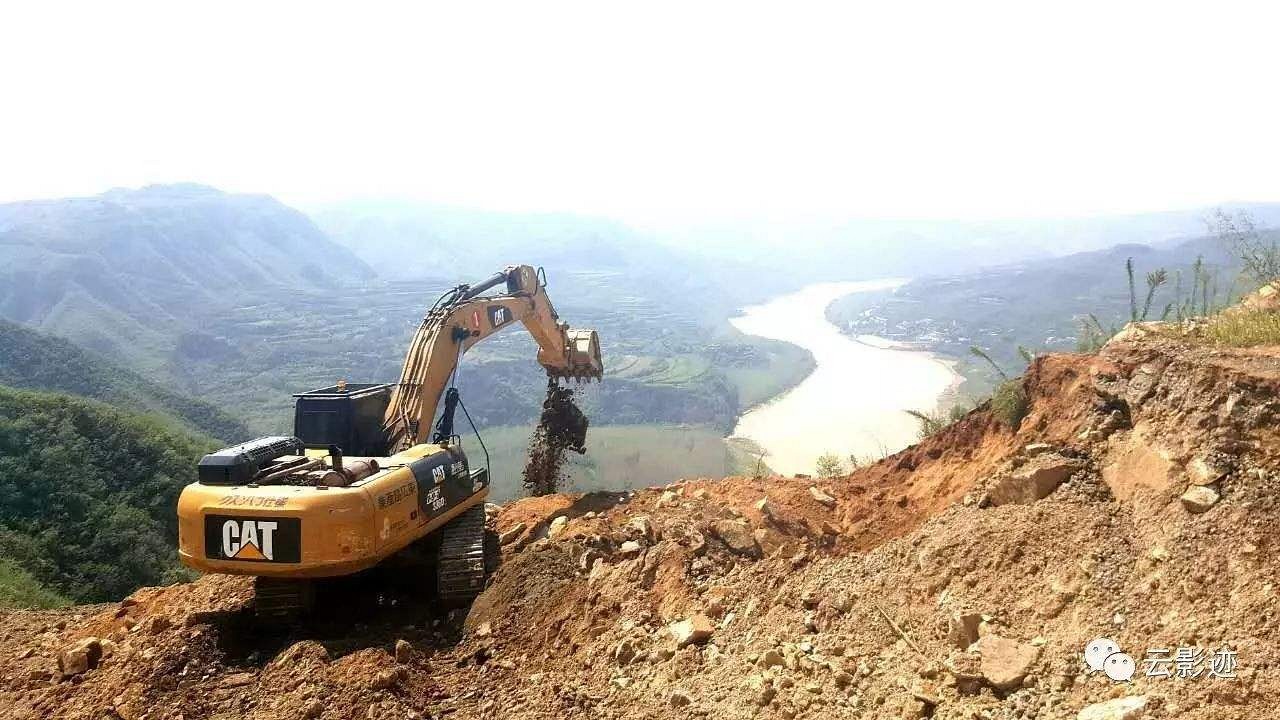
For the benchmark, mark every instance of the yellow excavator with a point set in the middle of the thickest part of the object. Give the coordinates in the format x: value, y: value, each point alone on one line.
x: 358, y: 482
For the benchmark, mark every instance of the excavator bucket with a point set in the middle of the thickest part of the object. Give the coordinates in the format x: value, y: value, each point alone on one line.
x: 583, y: 352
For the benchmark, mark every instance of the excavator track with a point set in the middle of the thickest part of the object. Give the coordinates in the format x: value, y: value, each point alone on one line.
x: 463, y: 563
x: 282, y: 601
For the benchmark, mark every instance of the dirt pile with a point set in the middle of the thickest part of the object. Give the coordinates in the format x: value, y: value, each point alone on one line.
x: 562, y: 428
x: 961, y: 578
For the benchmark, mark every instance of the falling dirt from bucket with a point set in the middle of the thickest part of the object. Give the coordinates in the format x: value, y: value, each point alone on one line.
x: 562, y: 427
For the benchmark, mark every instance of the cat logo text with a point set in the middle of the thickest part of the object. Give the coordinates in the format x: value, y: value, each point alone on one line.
x: 253, y: 539
x: 249, y: 539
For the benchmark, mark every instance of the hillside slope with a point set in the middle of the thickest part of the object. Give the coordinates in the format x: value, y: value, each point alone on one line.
x: 120, y: 273
x: 1038, y: 304
x: 87, y: 495
x: 960, y: 578
x: 34, y: 361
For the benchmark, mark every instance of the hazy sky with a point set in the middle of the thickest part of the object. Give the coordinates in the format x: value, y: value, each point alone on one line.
x: 962, y: 109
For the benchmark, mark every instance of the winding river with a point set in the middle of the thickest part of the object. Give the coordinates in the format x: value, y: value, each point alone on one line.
x: 853, y: 402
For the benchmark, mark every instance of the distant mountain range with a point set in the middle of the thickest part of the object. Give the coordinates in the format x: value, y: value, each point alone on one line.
x: 834, y: 248
x: 120, y: 272
x: 403, y: 239
x: 1037, y: 304
x: 240, y: 300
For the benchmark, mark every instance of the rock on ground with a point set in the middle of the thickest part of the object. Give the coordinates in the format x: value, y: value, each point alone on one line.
x: 580, y: 629
x: 80, y: 657
x: 1005, y: 662
x: 737, y: 536
x: 693, y: 630
x: 1039, y: 476
x: 1199, y: 498
x: 1125, y: 708
x: 822, y: 497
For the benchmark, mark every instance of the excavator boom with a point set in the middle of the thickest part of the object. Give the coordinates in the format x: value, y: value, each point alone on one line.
x: 464, y: 317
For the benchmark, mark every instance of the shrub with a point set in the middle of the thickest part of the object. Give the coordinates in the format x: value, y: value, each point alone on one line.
x: 931, y: 421
x: 830, y: 465
x: 1009, y: 403
x: 1258, y: 250
x: 935, y: 421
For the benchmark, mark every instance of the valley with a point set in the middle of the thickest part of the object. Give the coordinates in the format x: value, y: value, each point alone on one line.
x: 713, y: 366
x: 962, y: 577
x: 620, y: 361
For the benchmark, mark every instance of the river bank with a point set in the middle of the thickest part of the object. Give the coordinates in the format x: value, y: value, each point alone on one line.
x: 854, y: 402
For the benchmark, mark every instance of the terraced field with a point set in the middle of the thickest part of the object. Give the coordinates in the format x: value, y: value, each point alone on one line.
x: 618, y: 457
x: 664, y: 363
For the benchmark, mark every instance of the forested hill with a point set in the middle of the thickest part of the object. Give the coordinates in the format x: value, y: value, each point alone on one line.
x: 35, y: 361
x: 87, y: 497
x: 122, y: 272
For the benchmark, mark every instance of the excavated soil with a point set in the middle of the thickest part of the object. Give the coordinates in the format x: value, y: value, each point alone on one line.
x: 960, y: 578
x: 561, y: 428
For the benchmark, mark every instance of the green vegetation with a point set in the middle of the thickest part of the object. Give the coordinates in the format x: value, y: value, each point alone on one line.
x: 35, y: 361
x: 934, y: 421
x: 87, y: 495
x: 1154, y: 281
x: 931, y: 421
x: 618, y: 457
x: 1009, y: 402
x: 1258, y: 253
x: 1245, y: 329
x: 1203, y: 299
x: 829, y: 465
x: 19, y: 590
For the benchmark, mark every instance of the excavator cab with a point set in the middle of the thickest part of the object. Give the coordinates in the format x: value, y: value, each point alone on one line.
x: 346, y: 415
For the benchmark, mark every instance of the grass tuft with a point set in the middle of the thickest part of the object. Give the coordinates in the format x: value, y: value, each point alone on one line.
x: 1245, y: 329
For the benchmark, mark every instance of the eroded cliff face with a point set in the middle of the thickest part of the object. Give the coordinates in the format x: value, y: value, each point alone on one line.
x: 962, y: 577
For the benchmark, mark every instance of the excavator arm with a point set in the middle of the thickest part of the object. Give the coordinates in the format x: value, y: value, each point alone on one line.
x: 464, y: 317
